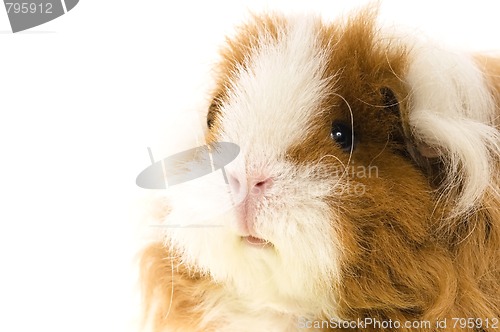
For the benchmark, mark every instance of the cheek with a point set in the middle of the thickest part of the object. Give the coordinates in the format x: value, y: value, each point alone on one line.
x: 395, y: 206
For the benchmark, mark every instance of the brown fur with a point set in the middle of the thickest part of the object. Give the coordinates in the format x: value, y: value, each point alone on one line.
x: 162, y: 270
x: 399, y: 262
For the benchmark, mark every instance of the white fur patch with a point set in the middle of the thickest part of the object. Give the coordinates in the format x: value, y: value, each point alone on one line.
x: 452, y: 112
x: 270, y: 103
x: 268, y: 110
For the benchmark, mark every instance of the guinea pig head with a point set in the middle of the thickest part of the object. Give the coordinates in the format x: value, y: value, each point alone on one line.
x: 347, y: 157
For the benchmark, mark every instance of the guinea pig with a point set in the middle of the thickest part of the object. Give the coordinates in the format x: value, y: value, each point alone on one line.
x: 365, y: 194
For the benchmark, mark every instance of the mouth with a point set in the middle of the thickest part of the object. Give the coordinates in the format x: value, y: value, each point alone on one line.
x: 256, y: 242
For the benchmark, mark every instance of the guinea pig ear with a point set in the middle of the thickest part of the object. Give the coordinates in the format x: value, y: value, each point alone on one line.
x: 391, y: 103
x: 450, y: 115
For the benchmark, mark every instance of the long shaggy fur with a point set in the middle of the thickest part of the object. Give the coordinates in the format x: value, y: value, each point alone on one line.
x: 417, y: 240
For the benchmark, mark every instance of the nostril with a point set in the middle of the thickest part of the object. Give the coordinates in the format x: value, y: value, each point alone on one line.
x: 264, y: 183
x: 235, y: 184
x: 261, y: 186
x: 241, y: 185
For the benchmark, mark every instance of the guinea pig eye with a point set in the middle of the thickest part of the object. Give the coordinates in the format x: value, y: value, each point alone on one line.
x: 210, y: 119
x: 342, y: 135
x: 212, y: 111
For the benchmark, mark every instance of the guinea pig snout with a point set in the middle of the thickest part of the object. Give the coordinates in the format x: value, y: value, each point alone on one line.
x: 248, y: 185
x: 248, y: 189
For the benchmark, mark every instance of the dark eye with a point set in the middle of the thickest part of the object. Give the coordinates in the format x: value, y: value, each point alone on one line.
x: 212, y: 111
x: 210, y: 118
x: 342, y: 135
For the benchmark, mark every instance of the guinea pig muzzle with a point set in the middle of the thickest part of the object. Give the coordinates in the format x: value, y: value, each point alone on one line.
x: 247, y: 195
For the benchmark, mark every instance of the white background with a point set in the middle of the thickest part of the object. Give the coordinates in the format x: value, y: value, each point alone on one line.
x: 81, y: 98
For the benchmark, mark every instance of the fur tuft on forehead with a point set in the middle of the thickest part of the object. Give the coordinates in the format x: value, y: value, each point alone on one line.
x: 271, y: 73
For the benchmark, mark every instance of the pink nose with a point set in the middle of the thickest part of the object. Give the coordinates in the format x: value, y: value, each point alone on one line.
x: 254, y: 185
